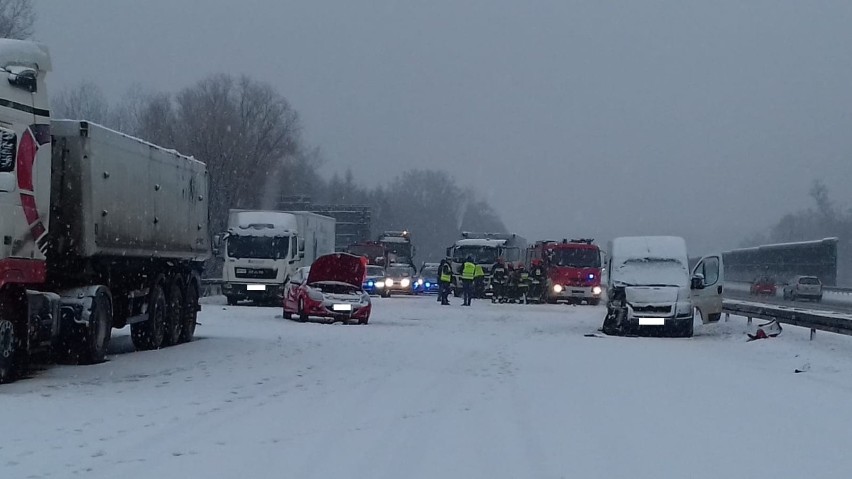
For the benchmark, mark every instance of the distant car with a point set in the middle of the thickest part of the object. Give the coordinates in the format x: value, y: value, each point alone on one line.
x: 330, y: 289
x: 399, y: 279
x: 427, y: 280
x: 764, y: 286
x: 803, y: 287
x: 374, y: 282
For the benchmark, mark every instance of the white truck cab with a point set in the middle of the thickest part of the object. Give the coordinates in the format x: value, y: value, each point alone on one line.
x: 651, y: 290
x: 263, y: 249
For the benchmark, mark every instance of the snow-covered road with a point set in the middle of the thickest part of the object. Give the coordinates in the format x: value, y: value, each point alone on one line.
x: 424, y: 391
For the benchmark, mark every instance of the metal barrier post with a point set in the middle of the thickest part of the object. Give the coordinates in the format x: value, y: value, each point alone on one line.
x: 813, y: 333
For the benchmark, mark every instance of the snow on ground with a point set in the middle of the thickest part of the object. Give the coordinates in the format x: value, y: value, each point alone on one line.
x: 424, y: 391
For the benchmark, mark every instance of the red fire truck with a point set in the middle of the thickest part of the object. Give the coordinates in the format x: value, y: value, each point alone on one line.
x: 573, y: 269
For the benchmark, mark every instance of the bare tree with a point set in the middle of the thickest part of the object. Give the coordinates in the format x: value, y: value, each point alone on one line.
x: 244, y: 130
x: 85, y: 101
x: 17, y: 18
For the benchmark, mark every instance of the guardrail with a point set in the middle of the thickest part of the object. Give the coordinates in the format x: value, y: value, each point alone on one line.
x: 814, y: 320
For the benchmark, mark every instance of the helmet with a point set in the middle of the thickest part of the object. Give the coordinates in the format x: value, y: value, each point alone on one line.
x: 520, y: 265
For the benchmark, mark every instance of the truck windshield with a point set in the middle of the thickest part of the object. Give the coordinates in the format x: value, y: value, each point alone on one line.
x: 399, y: 272
x: 480, y: 254
x: 258, y: 247
x: 576, y: 258
x: 371, y: 252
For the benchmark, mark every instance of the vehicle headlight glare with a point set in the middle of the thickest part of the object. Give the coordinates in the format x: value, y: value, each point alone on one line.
x: 388, y: 282
x: 405, y: 283
x: 596, y: 290
x: 557, y: 288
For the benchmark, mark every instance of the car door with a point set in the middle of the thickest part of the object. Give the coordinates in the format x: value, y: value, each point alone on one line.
x: 291, y: 291
x: 708, y: 299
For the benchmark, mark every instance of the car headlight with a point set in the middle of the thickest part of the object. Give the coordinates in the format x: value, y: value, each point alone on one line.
x: 370, y: 284
x: 405, y: 282
x: 420, y: 282
x: 388, y: 282
x: 557, y: 288
x: 428, y: 285
x: 596, y: 290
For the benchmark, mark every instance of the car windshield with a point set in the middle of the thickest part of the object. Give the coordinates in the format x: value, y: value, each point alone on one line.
x: 399, y: 272
x: 480, y: 254
x: 258, y: 247
x: 807, y: 280
x: 429, y: 272
x: 375, y: 271
x: 576, y: 258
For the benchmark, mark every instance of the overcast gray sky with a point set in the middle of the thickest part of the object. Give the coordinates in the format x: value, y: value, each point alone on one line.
x: 703, y: 119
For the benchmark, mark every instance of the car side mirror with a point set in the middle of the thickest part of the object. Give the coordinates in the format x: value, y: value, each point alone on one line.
x: 697, y: 282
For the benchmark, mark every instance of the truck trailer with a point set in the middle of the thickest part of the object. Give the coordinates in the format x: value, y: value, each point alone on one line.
x: 99, y: 229
x: 262, y: 250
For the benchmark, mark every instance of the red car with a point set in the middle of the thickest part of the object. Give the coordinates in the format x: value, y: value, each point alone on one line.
x: 332, y: 289
x: 763, y: 286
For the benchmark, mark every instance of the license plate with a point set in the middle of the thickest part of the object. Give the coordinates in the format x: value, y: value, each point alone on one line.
x: 652, y: 321
x: 256, y: 287
x: 342, y: 307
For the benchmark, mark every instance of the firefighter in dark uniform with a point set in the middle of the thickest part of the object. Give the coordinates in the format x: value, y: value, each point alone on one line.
x: 499, y: 276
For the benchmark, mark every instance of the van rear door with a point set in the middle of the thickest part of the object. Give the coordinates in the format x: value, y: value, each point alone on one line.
x: 708, y: 299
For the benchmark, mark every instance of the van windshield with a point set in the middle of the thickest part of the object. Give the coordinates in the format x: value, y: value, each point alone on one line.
x: 258, y: 247
x: 651, y: 272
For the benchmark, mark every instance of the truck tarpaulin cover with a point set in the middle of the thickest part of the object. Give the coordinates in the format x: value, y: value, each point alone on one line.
x: 339, y: 267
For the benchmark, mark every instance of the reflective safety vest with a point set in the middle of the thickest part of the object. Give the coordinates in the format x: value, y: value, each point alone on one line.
x: 446, y: 275
x: 469, y: 271
x: 479, y: 272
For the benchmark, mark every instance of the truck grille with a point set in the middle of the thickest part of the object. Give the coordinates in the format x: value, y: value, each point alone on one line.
x: 255, y: 273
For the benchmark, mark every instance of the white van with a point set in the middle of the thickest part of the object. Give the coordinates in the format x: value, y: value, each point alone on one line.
x: 651, y: 291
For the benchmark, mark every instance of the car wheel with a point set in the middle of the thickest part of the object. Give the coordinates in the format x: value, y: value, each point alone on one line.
x: 286, y: 315
x: 303, y: 317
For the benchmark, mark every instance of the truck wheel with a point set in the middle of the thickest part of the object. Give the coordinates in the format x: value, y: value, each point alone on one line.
x: 232, y: 300
x: 149, y: 334
x: 594, y: 302
x: 174, y: 316
x: 8, y: 347
x: 91, y: 348
x: 189, y: 316
x: 13, y: 356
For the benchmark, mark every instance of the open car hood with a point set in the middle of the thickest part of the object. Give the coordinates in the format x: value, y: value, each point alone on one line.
x: 339, y: 267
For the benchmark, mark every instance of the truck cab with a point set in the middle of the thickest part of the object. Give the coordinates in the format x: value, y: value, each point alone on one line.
x: 484, y: 252
x: 259, y: 260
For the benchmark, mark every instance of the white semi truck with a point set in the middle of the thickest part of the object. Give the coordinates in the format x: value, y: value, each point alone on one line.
x: 98, y: 229
x: 262, y: 250
x: 485, y: 249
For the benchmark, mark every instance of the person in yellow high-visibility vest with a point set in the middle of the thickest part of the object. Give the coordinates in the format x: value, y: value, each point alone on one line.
x: 479, y: 282
x: 445, y: 278
x: 468, y: 273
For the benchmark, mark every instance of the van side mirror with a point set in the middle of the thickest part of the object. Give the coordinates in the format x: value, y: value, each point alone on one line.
x: 697, y: 282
